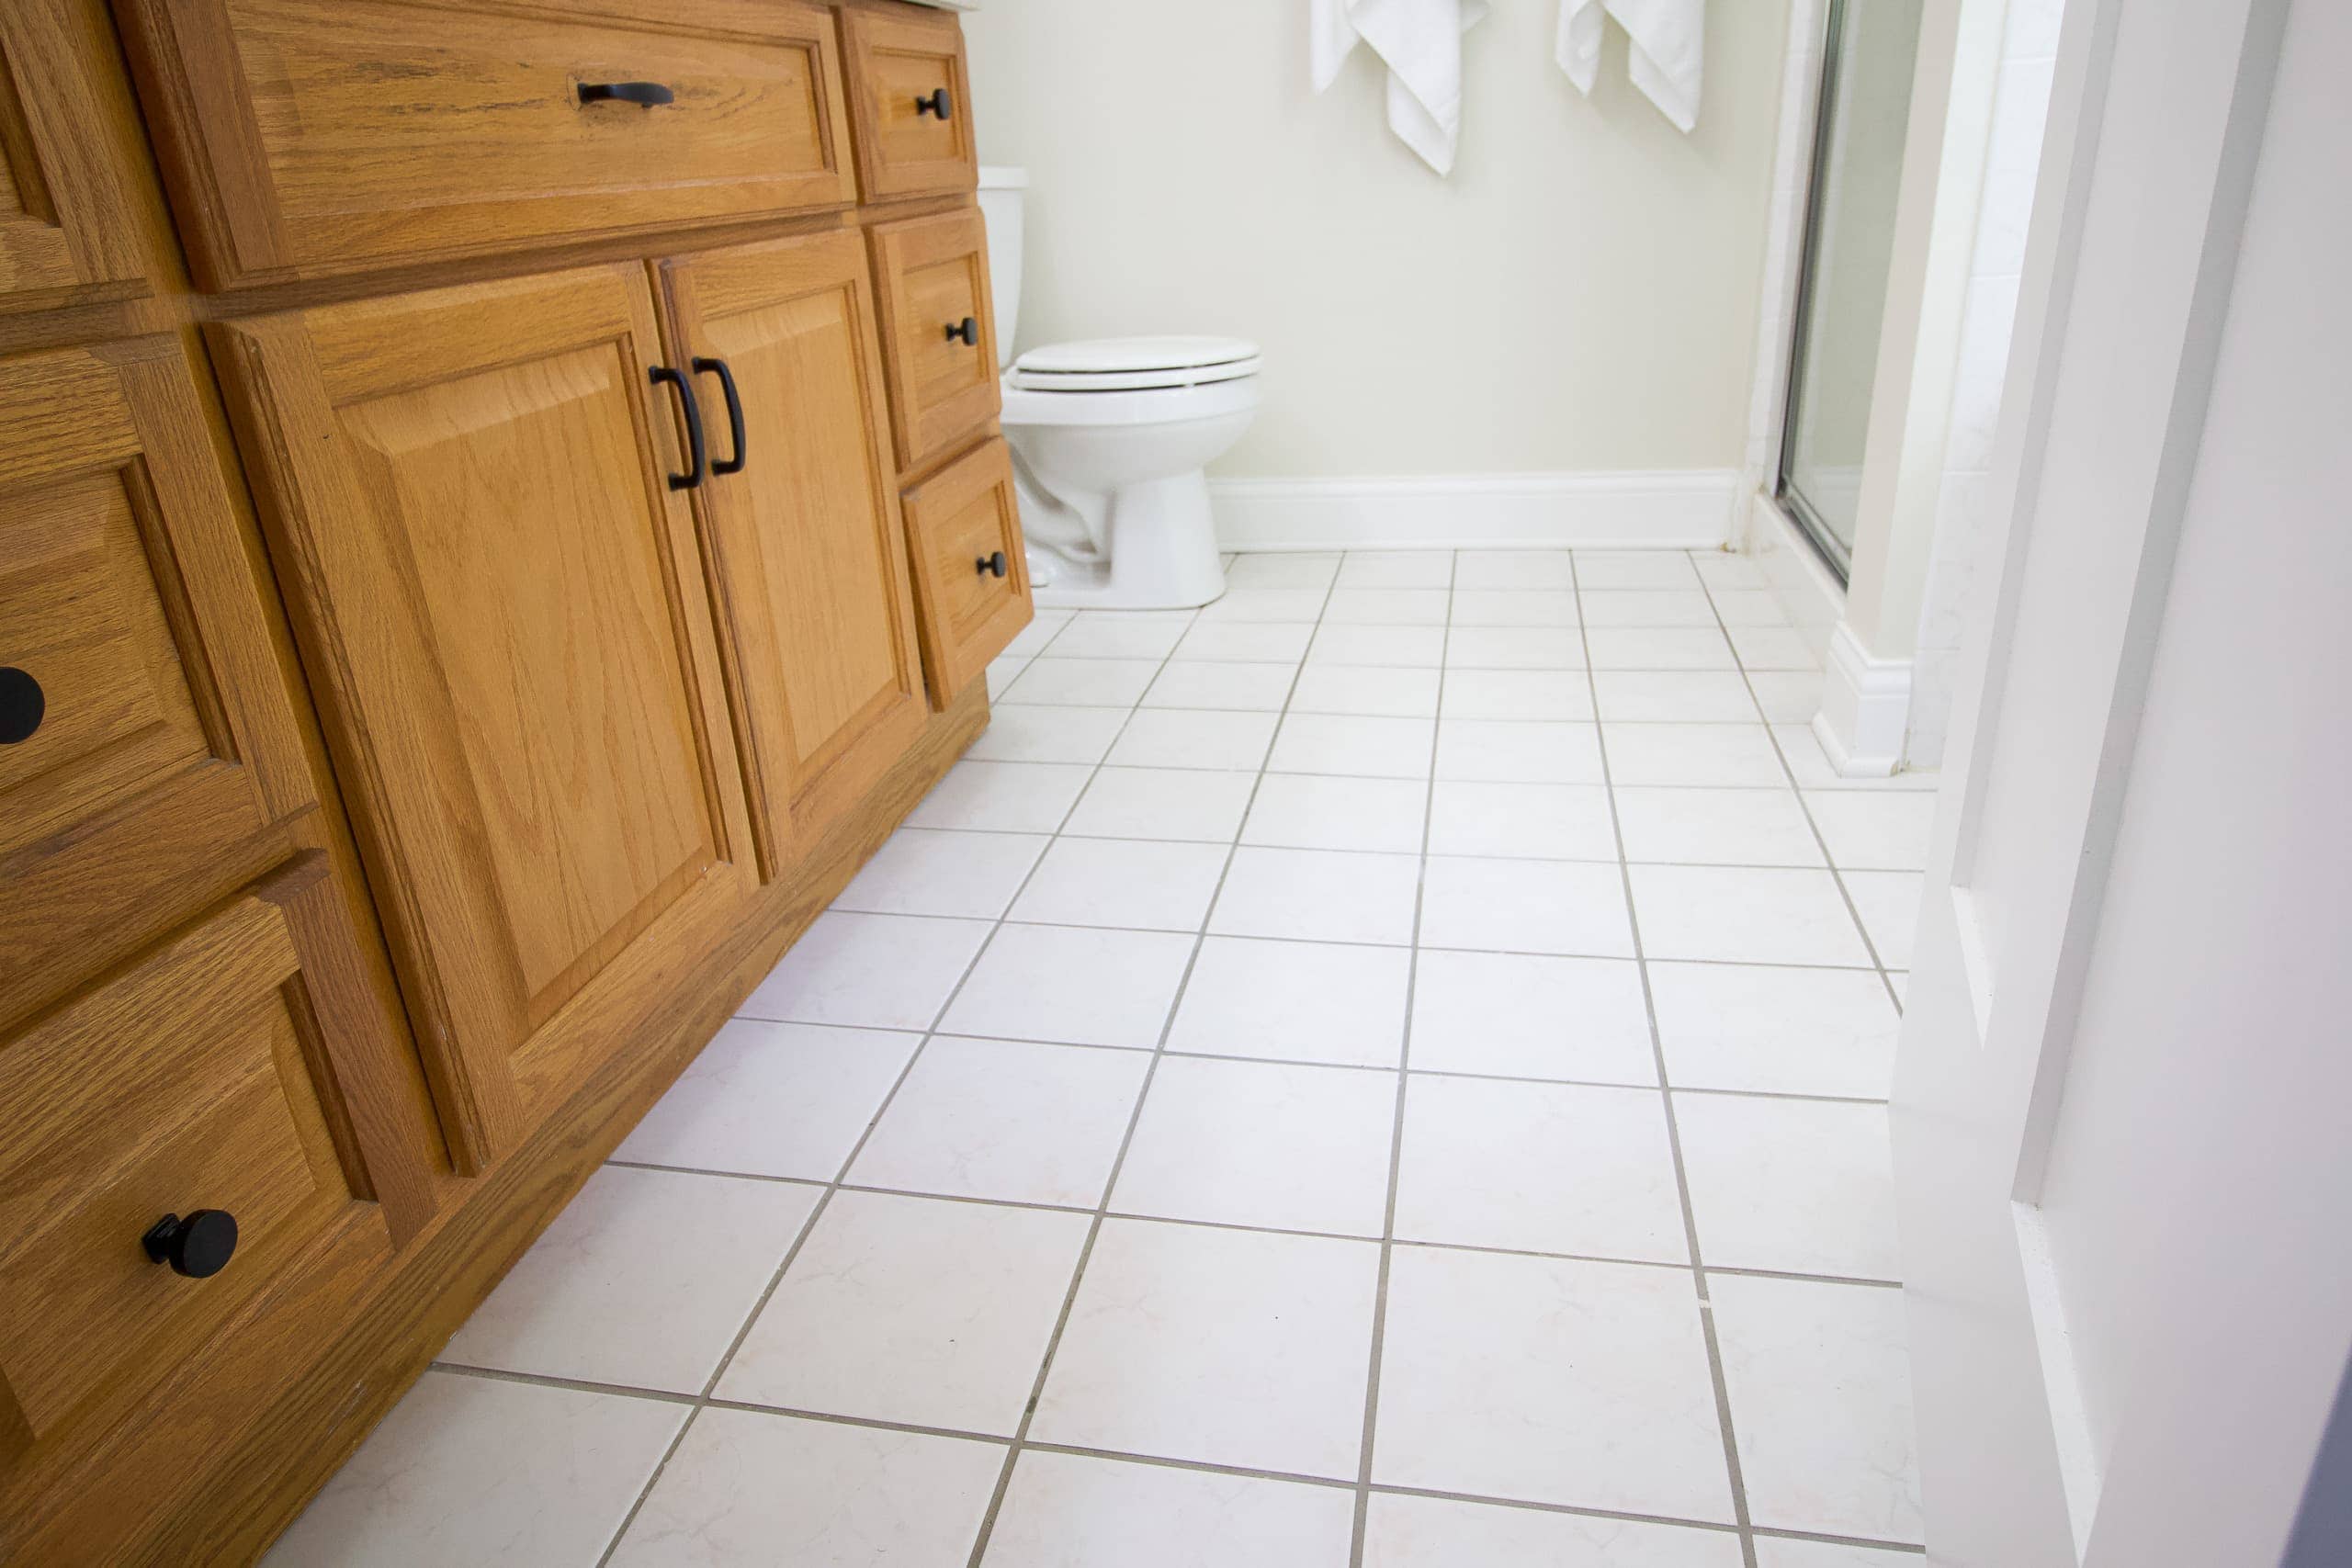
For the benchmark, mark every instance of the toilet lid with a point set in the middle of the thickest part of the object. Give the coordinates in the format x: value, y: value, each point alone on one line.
x: 1135, y: 363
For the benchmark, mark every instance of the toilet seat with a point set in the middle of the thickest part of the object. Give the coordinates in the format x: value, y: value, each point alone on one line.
x: 1133, y: 363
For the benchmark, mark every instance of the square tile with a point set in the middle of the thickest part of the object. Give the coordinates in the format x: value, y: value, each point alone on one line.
x: 1687, y: 696
x: 1317, y: 895
x: 1539, y: 1167
x: 1299, y: 605
x: 877, y: 971
x: 1872, y: 830
x: 1519, y: 752
x: 1285, y: 568
x: 1246, y: 642
x: 1810, y: 766
x: 1370, y: 747
x: 1060, y: 984
x: 1184, y: 737
x: 1744, y: 915
x: 1031, y: 641
x: 1773, y: 647
x: 782, y: 1100
x: 1517, y: 693
x: 1305, y: 811
x: 917, y: 1309
x: 1584, y: 1384
x: 742, y: 1482
x: 1647, y: 607
x: 1295, y: 1000
x: 1715, y: 827
x: 1121, y: 634
x: 1721, y: 569
x: 1775, y: 1031
x: 1522, y: 1015
x: 1003, y: 669
x: 1140, y: 883
x: 1405, y: 1532
x: 1514, y: 568
x: 1398, y: 568
x: 1073, y: 1511
x: 1749, y: 606
x: 464, y: 1469
x: 1005, y: 797
x: 1228, y: 1347
x: 1888, y: 902
x: 1727, y: 756
x: 1262, y: 1143
x: 1082, y: 683
x: 1797, y: 1186
x: 642, y: 1281
x: 1410, y: 648
x: 1387, y: 606
x: 929, y: 871
x: 1510, y: 820
x: 1238, y: 688
x: 1163, y: 803
x: 1514, y: 607
x: 1660, y: 647
x: 1820, y: 1383
x: 1635, y: 568
x: 1005, y: 1119
x: 1777, y: 1554
x: 1032, y: 734
x: 1787, y: 697
x: 1526, y: 905
x: 1514, y: 647
x: 1377, y: 693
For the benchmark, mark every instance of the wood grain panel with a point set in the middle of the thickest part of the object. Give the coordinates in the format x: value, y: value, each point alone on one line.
x: 65, y: 224
x: 933, y: 274
x: 958, y: 519
x: 898, y: 54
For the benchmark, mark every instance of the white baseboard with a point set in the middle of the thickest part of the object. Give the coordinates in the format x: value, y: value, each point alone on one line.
x: 1807, y: 591
x: 1865, y: 707
x: 1683, y: 509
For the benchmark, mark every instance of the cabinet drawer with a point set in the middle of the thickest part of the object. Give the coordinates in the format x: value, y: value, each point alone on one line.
x: 311, y: 137
x: 66, y: 232
x: 190, y: 1081
x: 914, y: 116
x: 933, y: 280
x: 962, y: 525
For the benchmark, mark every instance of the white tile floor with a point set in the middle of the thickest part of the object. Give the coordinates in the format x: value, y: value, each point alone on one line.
x: 1387, y: 1070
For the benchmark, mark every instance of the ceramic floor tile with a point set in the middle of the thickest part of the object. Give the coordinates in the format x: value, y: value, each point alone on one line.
x: 1874, y: 831
x: 1726, y: 756
x: 1716, y: 826
x: 926, y: 871
x: 1548, y: 1381
x: 1387, y: 606
x: 1296, y: 606
x: 1303, y: 811
x: 642, y: 1281
x: 1514, y: 647
x: 1776, y: 1553
x: 1647, y: 607
x: 1409, y: 648
x: 1228, y: 1347
x: 1514, y: 607
x: 1811, y: 765
x: 1262, y: 1143
x: 1660, y: 647
x: 877, y: 971
x: 1245, y: 642
x: 1513, y: 570
x: 1121, y: 634
x: 1518, y: 751
x: 1775, y: 1031
x: 744, y: 1483
x: 1317, y: 895
x: 1376, y: 694
x: 1820, y: 1384
x: 1526, y: 905
x: 1073, y: 1511
x: 1796, y: 1186
x: 1517, y: 693
x: 1140, y: 883
x: 1721, y: 568
x: 1007, y: 797
x: 480, y: 1473
x: 1295, y: 1002
x: 1163, y: 803
x: 1773, y: 647
x: 1398, y: 568
x: 1347, y: 744
x: 1787, y: 697
x: 1293, y: 568
x: 1744, y: 915
x: 1061, y: 984
x: 1031, y: 639
x: 1082, y: 683
x: 1889, y: 904
x: 784, y: 1099
x: 915, y: 1310
x: 1749, y: 606
x: 1403, y: 1531
x: 1238, y: 688
x: 1539, y: 1167
x: 1634, y: 569
x: 1184, y: 737
x: 1519, y: 1015
x: 1555, y: 821
x: 1003, y: 669
x: 1005, y: 1119
x: 1019, y: 733
x: 1673, y: 696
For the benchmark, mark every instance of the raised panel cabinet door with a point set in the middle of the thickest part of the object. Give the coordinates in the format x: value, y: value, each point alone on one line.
x: 502, y: 604
x: 807, y: 559
x: 65, y: 225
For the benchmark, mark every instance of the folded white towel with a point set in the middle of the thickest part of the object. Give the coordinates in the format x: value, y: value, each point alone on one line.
x: 1421, y: 42
x: 1670, y: 47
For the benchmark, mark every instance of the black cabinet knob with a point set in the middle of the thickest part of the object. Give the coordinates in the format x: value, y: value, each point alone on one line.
x: 992, y: 565
x: 937, y: 103
x: 22, y: 704
x: 199, y: 1246
x: 966, y: 332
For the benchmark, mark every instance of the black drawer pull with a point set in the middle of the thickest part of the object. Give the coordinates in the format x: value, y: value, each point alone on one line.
x: 937, y: 103
x: 199, y: 1246
x: 992, y: 565
x: 734, y: 414
x: 22, y: 704
x: 644, y: 95
x: 966, y: 332
x: 692, y: 476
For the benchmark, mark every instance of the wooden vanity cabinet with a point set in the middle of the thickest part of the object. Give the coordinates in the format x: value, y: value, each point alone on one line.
x: 66, y: 233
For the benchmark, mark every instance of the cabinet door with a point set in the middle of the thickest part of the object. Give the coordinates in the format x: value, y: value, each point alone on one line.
x: 805, y: 552
x: 65, y: 227
x: 500, y: 600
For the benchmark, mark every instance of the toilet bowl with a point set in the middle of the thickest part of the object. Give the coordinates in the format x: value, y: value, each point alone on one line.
x: 1110, y: 439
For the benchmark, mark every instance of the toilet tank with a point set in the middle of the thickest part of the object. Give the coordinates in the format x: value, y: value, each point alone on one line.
x: 1000, y: 198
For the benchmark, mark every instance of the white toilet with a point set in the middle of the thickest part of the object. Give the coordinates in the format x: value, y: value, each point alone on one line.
x: 1109, y: 438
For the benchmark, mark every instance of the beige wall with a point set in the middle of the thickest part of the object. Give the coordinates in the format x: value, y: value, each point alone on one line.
x: 1580, y: 296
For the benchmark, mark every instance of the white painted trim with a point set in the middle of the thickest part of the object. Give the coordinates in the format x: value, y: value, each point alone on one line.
x: 1808, y: 590
x: 1865, y: 709
x: 1680, y: 509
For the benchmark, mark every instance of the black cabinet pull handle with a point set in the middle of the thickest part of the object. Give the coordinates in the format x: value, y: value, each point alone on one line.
x: 22, y: 704
x: 992, y: 564
x: 199, y: 1246
x: 692, y: 476
x: 966, y: 332
x: 734, y: 414
x: 937, y: 103
x: 644, y: 95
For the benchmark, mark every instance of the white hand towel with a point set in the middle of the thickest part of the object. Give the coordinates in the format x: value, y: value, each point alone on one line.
x: 1669, y: 55
x: 1421, y: 42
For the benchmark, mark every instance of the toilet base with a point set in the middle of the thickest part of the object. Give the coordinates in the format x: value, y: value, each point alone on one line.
x: 1162, y: 541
